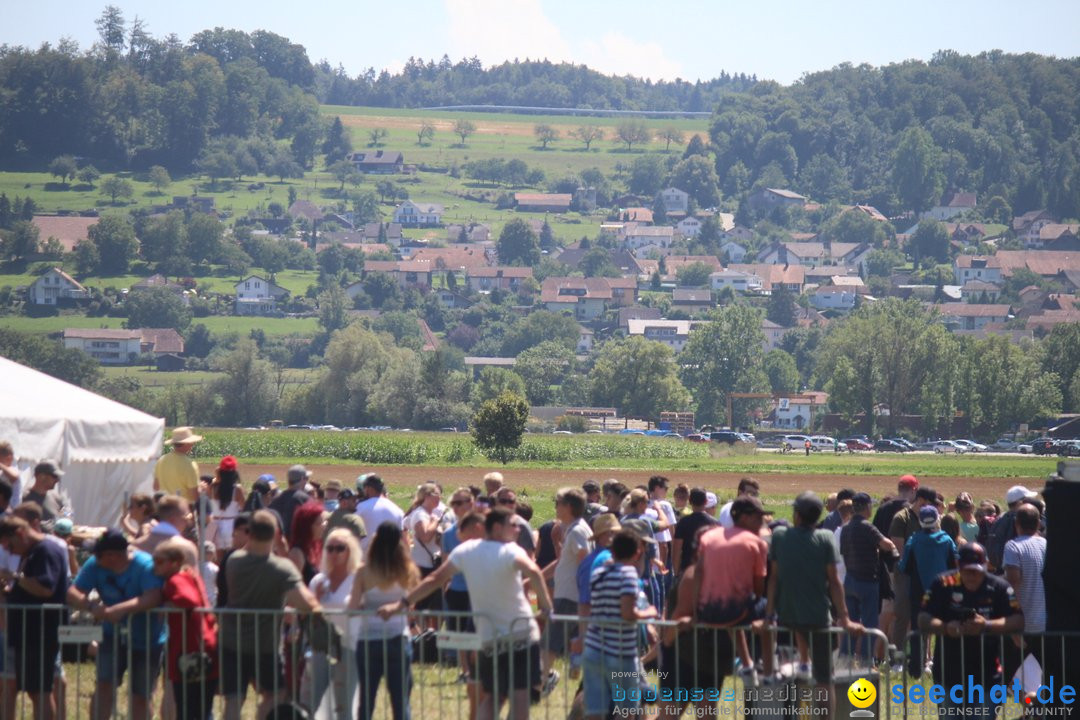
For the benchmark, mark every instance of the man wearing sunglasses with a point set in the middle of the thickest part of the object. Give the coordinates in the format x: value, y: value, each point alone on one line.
x: 507, y: 499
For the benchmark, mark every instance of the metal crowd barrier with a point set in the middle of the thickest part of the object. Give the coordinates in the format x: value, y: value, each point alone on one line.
x: 675, y: 669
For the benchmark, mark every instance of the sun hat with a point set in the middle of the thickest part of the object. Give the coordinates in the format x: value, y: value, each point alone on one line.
x: 183, y: 436
x: 333, y: 484
x: 641, y: 528
x: 606, y: 522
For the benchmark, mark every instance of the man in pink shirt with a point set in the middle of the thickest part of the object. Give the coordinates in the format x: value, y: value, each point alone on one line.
x: 730, y: 578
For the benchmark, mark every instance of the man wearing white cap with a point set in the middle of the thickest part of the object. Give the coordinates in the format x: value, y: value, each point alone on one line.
x: 1004, y: 528
x: 711, y: 502
x: 176, y: 473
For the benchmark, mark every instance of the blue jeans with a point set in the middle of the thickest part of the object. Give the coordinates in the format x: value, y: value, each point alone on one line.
x: 863, y: 605
x: 341, y: 676
x: 601, y: 674
x: 390, y: 657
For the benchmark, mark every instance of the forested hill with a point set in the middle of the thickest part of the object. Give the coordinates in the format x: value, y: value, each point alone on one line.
x: 529, y: 82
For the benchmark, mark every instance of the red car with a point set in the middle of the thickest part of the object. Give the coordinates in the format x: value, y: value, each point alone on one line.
x: 853, y: 444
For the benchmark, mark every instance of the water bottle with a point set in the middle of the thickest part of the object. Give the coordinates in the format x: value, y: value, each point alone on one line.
x: 575, y: 666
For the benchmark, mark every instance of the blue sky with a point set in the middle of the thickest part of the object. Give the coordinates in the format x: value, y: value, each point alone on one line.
x: 692, y: 39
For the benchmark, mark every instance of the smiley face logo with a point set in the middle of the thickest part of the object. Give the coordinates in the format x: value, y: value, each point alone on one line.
x: 862, y: 693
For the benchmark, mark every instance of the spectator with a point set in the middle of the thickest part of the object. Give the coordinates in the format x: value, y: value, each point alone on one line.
x: 135, y: 521
x: 174, y: 518
x: 382, y: 647
x: 730, y: 571
x: 493, y: 481
x: 31, y: 512
x: 239, y: 542
x: 593, y: 499
x: 927, y: 554
x: 684, y: 547
x: 844, y: 508
x: 257, y: 580
x: 175, y: 472
x: 904, y: 524
x: 422, y: 521
x: 226, y: 502
x: 747, y: 486
x: 208, y: 571
x: 469, y: 526
x: 306, y: 538
x: 333, y: 588
x: 33, y: 631
x: 961, y: 607
x: 802, y: 582
x: 546, y: 553
x: 635, y: 519
x: 46, y: 492
x: 611, y: 652
x: 376, y: 508
x: 1004, y: 528
x: 986, y: 514
x: 344, y: 516
x: 861, y: 544
x: 833, y: 520
x: 614, y: 494
x: 493, y: 568
x: 681, y: 496
x: 1024, y: 558
x: 127, y: 587
x: 660, y: 509
x: 332, y: 494
x: 191, y: 666
x: 961, y: 524
x: 262, y: 494
x: 710, y: 503
x: 577, y: 542
x: 507, y: 498
x: 604, y: 528
x: 291, y: 498
x: 9, y: 472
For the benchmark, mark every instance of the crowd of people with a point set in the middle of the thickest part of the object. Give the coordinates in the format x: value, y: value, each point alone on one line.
x: 193, y: 581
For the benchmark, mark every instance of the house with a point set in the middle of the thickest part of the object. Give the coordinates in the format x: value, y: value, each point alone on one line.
x: 1027, y: 227
x: 543, y: 202
x: 637, y: 312
x: 587, y: 298
x: 774, y: 335
x: 813, y: 254
x: 797, y: 412
x: 116, y: 347
x: 411, y: 214
x: 157, y: 280
x: 377, y: 162
x: 641, y: 238
x: 951, y: 205
x: 641, y: 215
x: 370, y: 232
x: 486, y: 279
x: 793, y: 277
x: 67, y: 229
x: 451, y: 299
x: 406, y: 273
x: 675, y: 263
x: 675, y: 200
x: 55, y: 287
x: 306, y: 209
x: 585, y: 340
x: 979, y: 291
x: 673, y: 333
x: 688, y: 227
x: 1047, y: 263
x: 829, y: 297
x: 734, y: 252
x: 1060, y: 237
x: 460, y: 258
x: 766, y: 199
x: 691, y: 299
x: 742, y: 282
x: 474, y: 232
x: 625, y: 262
x: 986, y: 268
x: 968, y: 316
x: 869, y: 210
x: 737, y: 234
x: 256, y: 295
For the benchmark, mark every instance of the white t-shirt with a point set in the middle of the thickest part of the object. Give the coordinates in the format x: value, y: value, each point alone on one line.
x: 725, y: 516
x: 337, y: 600
x: 496, y: 589
x: 664, y: 536
x: 375, y: 511
x: 578, y: 537
x: 841, y: 569
x: 421, y: 556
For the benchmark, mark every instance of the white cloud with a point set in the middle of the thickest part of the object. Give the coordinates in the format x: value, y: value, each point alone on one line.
x: 621, y: 55
x: 498, y: 30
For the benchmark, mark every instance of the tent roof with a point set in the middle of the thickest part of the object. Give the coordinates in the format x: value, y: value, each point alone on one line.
x: 43, y: 417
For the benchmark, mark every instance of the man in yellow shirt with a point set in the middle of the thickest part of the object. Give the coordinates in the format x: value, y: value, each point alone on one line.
x: 176, y: 472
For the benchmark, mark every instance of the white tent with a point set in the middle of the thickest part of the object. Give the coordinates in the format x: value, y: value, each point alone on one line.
x: 106, y: 449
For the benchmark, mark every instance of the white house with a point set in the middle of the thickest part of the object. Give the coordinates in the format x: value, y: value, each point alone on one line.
x: 735, y: 252
x: 688, y: 227
x: 410, y: 214
x: 641, y: 237
x: 115, y: 347
x: 952, y: 204
x: 986, y: 268
x: 585, y: 340
x: 673, y: 333
x: 256, y: 295
x: 486, y: 279
x: 833, y: 298
x: 55, y: 285
x: 736, y: 280
x: 796, y: 413
x: 969, y: 316
x: 675, y: 200
x: 774, y: 334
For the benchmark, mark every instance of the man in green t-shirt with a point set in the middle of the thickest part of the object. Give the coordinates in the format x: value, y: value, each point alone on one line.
x: 802, y: 582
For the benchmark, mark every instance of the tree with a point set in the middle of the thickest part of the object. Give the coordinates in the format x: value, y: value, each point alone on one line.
x: 499, y: 425
x: 696, y: 176
x: 380, y: 287
x: 538, y: 327
x: 1002, y: 385
x: 633, y: 132
x: 156, y: 307
x: 425, y: 133
x: 63, y: 167
x: 696, y: 146
x: 376, y: 135
x: 217, y: 163
x: 998, y: 210
x: 464, y: 128
x: 695, y: 274
x: 597, y: 263
x: 205, y: 238
x: 492, y: 382
x: 1061, y: 356
x: 670, y: 135
x: 880, y: 263
x: 248, y: 385
x: 87, y: 257
x: 89, y: 175
x: 518, y: 244
x: 23, y: 241
x: 722, y: 357
x: 853, y: 226
x: 50, y: 357
x: 284, y: 166
x: 542, y: 367
x: 916, y: 171
x: 781, y: 309
x: 117, y: 245
x: 588, y: 134
x: 637, y: 376
x: 930, y: 241
x: 343, y: 171
x: 333, y: 309
x: 337, y: 143
x: 116, y: 187
x: 782, y: 372
x: 545, y: 134
x: 647, y: 175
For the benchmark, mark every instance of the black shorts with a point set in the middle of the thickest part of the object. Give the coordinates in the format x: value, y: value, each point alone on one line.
x: 821, y: 645
x: 239, y: 670
x: 35, y: 667
x: 495, y: 669
x: 458, y: 602
x: 708, y: 654
x: 434, y: 601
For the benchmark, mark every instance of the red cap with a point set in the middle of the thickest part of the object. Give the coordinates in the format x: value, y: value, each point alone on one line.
x: 227, y: 463
x: 909, y: 481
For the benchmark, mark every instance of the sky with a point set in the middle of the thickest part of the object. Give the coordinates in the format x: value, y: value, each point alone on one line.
x: 691, y: 39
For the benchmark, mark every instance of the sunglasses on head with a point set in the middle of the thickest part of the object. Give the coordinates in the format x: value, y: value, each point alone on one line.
x: 507, y: 501
x: 336, y: 548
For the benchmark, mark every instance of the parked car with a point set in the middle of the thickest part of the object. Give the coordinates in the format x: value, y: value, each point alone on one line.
x: 748, y: 438
x: 856, y: 443
x: 629, y: 431
x: 886, y: 445
x: 726, y: 436
x: 822, y: 442
x: 906, y: 443
x: 971, y: 445
x: 948, y: 446
x: 697, y: 437
x: 1044, y: 446
x: 795, y: 442
x: 1024, y: 448
x: 1069, y: 448
x: 1005, y: 445
x: 562, y: 432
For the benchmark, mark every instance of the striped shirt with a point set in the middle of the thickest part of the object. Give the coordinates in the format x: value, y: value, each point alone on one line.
x: 615, y: 637
x: 1028, y: 552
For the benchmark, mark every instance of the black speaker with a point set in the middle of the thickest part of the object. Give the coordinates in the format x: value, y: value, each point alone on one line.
x: 1062, y: 582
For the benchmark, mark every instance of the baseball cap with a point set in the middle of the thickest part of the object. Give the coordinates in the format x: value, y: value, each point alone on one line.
x: 746, y: 505
x: 972, y: 555
x: 227, y: 463
x: 333, y: 484
x: 605, y: 522
x: 909, y: 482
x: 267, y: 478
x: 346, y: 494
x: 807, y: 503
x: 928, y: 516
x: 1017, y: 493
x: 590, y: 486
x: 861, y: 498
x: 710, y: 500
x: 48, y: 467
x: 297, y: 473
x: 63, y: 527
x: 639, y: 527
x: 111, y: 539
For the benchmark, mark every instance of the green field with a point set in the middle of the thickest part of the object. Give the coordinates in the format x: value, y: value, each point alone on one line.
x: 215, y: 324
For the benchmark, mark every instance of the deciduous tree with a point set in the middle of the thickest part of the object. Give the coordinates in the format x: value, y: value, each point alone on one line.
x: 464, y: 128
x: 499, y: 425
x: 116, y: 243
x: 117, y: 187
x: 588, y: 134
x: 156, y: 308
x: 545, y: 134
x: 637, y: 376
x: 518, y: 244
x: 669, y: 135
x: 633, y: 132
x: 425, y: 133
x: 63, y: 167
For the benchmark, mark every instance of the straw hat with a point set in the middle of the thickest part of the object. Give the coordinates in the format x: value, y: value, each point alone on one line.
x: 183, y: 436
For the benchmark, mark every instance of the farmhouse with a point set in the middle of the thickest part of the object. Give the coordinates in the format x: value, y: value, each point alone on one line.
x: 115, y: 347
x: 378, y: 162
x: 587, y: 298
x: 486, y: 279
x: 410, y: 214
x: 256, y: 295
x: 766, y: 199
x: 55, y: 287
x: 673, y: 333
x: 543, y: 202
x: 674, y: 200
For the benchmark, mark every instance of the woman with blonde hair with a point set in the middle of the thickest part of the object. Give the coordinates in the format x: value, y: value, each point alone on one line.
x: 382, y: 646
x: 333, y: 587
